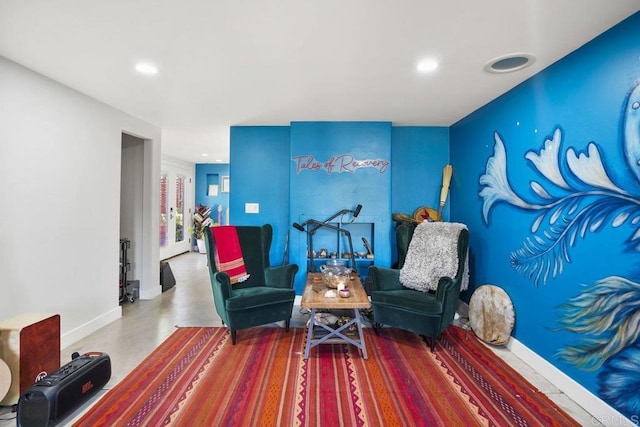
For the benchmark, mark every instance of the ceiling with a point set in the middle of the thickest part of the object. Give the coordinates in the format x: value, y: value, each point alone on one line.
x: 253, y: 62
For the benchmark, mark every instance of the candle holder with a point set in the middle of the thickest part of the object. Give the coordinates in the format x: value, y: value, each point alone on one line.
x: 344, y: 293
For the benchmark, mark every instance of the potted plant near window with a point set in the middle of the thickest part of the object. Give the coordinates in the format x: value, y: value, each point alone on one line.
x: 201, y: 220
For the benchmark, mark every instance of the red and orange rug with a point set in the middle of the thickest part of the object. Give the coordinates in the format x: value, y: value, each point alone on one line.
x: 196, y: 377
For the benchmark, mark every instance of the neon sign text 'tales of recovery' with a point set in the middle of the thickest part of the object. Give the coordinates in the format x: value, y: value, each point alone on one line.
x: 338, y: 164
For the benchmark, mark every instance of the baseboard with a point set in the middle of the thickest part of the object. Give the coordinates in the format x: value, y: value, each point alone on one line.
x: 90, y: 327
x: 599, y: 409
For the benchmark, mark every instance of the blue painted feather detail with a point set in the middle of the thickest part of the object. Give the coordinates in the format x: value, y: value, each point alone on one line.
x: 607, y: 313
x: 572, y: 204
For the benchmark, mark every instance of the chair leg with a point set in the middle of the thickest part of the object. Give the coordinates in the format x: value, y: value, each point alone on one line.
x: 287, y: 323
x: 376, y: 327
x: 431, y: 341
x: 233, y: 337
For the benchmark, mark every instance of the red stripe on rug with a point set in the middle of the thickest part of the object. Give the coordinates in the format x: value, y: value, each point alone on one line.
x: 196, y: 377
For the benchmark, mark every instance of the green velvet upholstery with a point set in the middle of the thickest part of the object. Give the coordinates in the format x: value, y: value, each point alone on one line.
x: 265, y: 297
x: 404, y: 233
x: 425, y: 313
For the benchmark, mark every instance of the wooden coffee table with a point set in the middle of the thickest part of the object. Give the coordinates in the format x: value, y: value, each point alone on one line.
x: 313, y: 299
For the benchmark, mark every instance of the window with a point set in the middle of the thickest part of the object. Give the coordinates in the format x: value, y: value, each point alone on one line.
x: 180, y: 190
x: 164, y: 208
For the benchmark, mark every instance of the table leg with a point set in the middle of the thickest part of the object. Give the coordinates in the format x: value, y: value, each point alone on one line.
x: 311, y: 342
x: 362, y: 344
x: 307, y: 347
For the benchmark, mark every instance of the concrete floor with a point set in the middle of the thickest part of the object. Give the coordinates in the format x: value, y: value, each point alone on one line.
x: 146, y: 324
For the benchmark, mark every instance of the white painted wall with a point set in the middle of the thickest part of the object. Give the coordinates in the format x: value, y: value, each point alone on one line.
x: 60, y: 199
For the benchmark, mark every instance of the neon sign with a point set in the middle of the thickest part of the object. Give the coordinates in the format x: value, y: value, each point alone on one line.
x: 338, y: 164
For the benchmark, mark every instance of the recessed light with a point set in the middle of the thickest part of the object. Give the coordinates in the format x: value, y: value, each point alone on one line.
x: 146, y: 68
x: 204, y: 155
x: 510, y: 62
x: 427, y: 65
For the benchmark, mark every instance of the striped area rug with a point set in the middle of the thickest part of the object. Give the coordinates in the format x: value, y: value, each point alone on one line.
x: 197, y: 378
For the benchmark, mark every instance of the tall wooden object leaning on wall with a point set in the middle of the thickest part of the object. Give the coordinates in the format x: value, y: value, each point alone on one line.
x: 425, y: 213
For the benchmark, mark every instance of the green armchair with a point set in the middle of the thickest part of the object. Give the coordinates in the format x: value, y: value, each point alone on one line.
x: 425, y: 313
x: 265, y: 297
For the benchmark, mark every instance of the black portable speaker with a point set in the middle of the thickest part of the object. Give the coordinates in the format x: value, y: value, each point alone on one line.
x: 52, y: 398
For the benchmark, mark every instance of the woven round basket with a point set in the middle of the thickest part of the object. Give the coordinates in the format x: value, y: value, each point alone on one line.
x: 426, y: 214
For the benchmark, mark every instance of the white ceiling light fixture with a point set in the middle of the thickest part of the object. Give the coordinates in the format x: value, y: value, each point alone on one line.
x: 509, y: 63
x: 427, y: 65
x: 146, y: 68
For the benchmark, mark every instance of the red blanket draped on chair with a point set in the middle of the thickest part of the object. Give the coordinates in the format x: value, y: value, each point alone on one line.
x: 228, y: 253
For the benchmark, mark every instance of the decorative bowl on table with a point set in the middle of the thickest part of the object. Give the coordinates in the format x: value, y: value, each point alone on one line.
x: 335, y: 273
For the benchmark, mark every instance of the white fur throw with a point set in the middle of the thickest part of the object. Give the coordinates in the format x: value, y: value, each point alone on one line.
x: 433, y: 253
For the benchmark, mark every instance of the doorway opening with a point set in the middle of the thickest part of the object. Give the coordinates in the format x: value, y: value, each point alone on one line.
x: 131, y: 209
x: 176, y: 207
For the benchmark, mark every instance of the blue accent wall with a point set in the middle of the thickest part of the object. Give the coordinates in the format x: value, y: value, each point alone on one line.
x: 338, y: 184
x: 211, y: 173
x: 369, y: 163
x: 417, y: 152
x: 259, y: 167
x: 552, y: 204
x: 273, y: 166
x: 418, y: 155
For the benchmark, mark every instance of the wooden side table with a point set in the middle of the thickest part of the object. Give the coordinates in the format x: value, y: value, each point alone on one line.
x: 30, y: 346
x: 313, y: 299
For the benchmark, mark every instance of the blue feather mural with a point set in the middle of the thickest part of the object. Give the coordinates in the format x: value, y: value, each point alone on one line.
x: 575, y: 196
